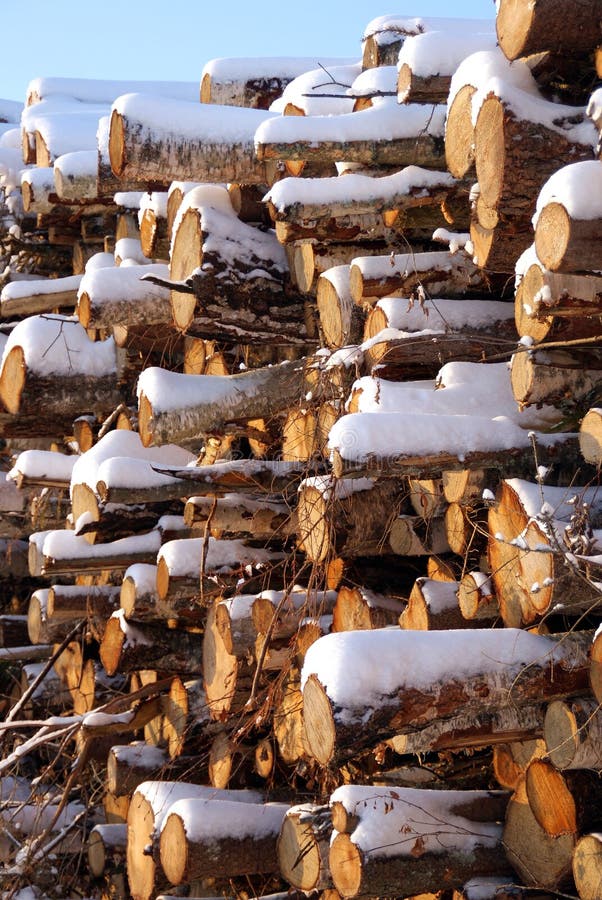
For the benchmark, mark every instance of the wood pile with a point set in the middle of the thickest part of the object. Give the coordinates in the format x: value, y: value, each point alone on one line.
x: 301, y: 532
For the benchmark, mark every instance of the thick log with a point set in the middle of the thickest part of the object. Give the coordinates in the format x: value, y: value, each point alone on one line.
x: 127, y: 647
x: 476, y: 598
x: 587, y: 866
x: 338, y: 724
x: 238, y: 278
x: 573, y: 732
x: 561, y: 294
x: 540, y: 860
x: 198, y: 840
x: 564, y: 243
x: 227, y: 679
x: 341, y: 320
x: 154, y: 237
x: 211, y: 402
x: 424, y: 859
x: 203, y: 143
x: 303, y: 847
x: 590, y: 436
x: 524, y: 29
x: 563, y: 803
x: 555, y: 377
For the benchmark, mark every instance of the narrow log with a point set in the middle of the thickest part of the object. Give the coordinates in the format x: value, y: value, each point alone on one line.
x: 335, y: 722
x: 476, y: 598
x: 590, y: 436
x: 433, y: 605
x: 553, y: 378
x: 587, y: 866
x: 572, y: 734
x: 303, y: 847
x: 227, y: 679
x: 126, y: 647
x: 26, y: 298
x: 107, y: 849
x: 358, y: 609
x: 185, y: 717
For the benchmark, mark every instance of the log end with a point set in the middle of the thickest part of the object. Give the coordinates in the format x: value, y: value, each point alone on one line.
x: 318, y: 720
x: 561, y: 733
x: 312, y: 517
x: 513, y: 24
x: 345, y: 866
x: 550, y: 799
x: 587, y: 867
x: 459, y: 133
x: 12, y: 379
x: 298, y: 854
x: 111, y: 646
x: 490, y: 151
x: 145, y: 419
x: 117, y: 153
x: 174, y: 849
x: 552, y: 236
x: 590, y: 437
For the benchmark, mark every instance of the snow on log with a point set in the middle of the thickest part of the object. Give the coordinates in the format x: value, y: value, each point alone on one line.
x: 415, y: 837
x: 61, y: 126
x: 360, y: 687
x: 51, y: 368
x: 29, y: 298
x: 303, y: 847
x: 42, y: 467
x: 440, y: 272
x: 384, y: 134
x: 207, y: 838
x: 428, y: 60
x: 255, y: 82
x: 292, y: 200
x: 384, y: 36
x: 545, y: 295
x: 493, y: 317
x: 567, y: 218
x: 555, y: 377
x: 62, y: 552
x: 525, y: 29
x: 99, y: 90
x: 147, y: 812
x: 175, y: 407
x: 169, y: 140
x: 121, y: 296
x: 76, y: 176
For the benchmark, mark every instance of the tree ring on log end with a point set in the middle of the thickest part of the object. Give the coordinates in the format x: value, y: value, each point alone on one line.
x: 552, y: 235
x: 174, y: 849
x: 298, y: 854
x: 117, y: 154
x: 561, y: 722
x: 490, y: 151
x: 145, y: 418
x: 345, y: 865
x: 513, y: 25
x: 12, y: 379
x: 318, y: 720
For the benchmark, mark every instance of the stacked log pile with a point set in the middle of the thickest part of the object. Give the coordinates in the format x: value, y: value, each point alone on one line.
x: 302, y: 544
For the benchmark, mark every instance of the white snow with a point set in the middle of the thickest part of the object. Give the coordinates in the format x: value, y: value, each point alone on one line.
x: 577, y: 187
x: 439, y: 53
x: 64, y: 544
x: 161, y: 795
x: 386, y: 122
x: 443, y: 314
x: 96, y: 90
x: 183, y: 556
x: 58, y: 345
x: 313, y: 91
x: 43, y: 464
x: 18, y: 289
x: 359, y: 188
x: 398, y: 25
x: 125, y: 444
x: 226, y: 69
x: 144, y: 575
x: 204, y: 122
x: 106, y: 285
x: 403, y: 821
x: 213, y: 820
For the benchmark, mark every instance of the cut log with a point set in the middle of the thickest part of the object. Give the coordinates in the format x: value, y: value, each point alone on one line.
x: 338, y: 723
x: 572, y: 732
x: 523, y: 29
x: 595, y: 675
x: 148, y: 809
x: 185, y: 717
x: 206, y: 838
x: 210, y: 403
x: 476, y: 598
x: 127, y: 647
x: 590, y: 436
x: 563, y: 803
x: 129, y: 765
x: 433, y: 605
x: 107, y: 849
x: 62, y: 552
x: 554, y: 377
x: 361, y: 609
x: 303, y: 847
x: 439, y: 273
x: 587, y: 866
x: 424, y: 859
x: 540, y: 860
x: 120, y: 296
x: 237, y: 516
x: 413, y: 137
x: 565, y: 243
x: 27, y: 298
x: 203, y: 143
x: 227, y: 679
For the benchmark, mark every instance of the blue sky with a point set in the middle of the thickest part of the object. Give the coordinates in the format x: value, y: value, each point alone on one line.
x: 172, y: 39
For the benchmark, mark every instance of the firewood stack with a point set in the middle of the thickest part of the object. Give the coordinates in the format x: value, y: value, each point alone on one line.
x: 300, y: 546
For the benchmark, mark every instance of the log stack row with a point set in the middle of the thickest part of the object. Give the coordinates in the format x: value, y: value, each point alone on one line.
x: 315, y: 582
